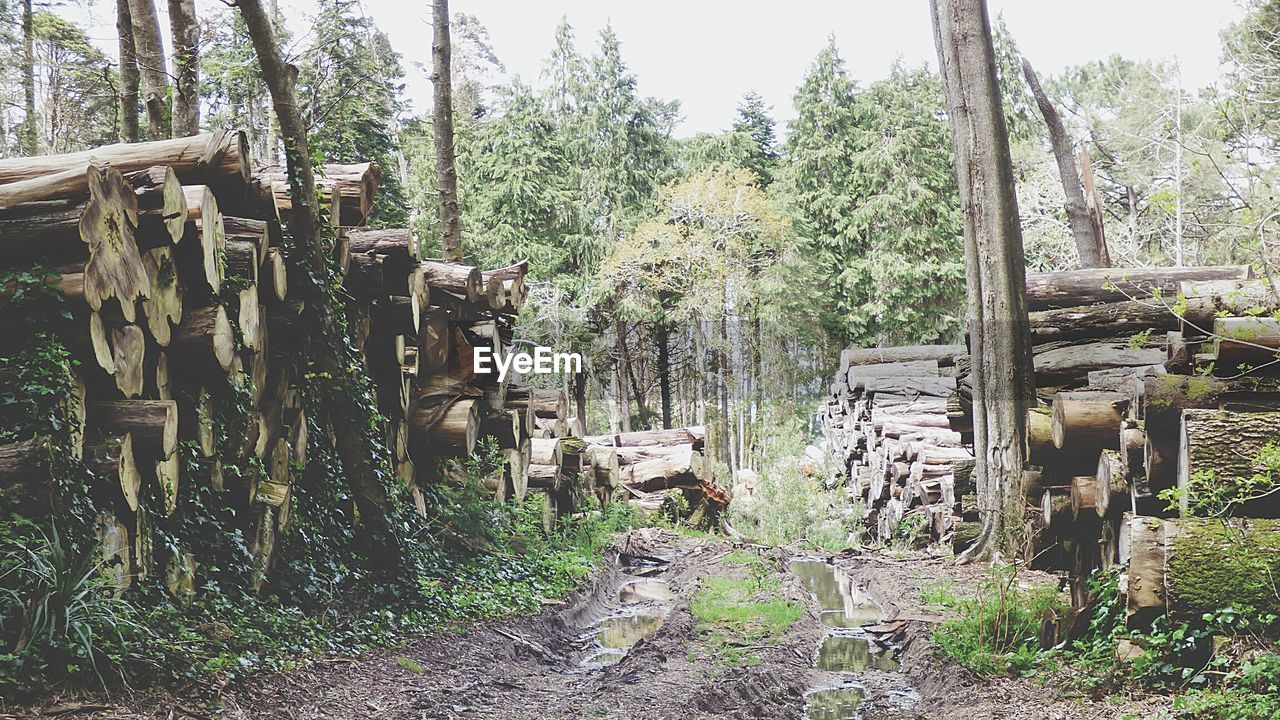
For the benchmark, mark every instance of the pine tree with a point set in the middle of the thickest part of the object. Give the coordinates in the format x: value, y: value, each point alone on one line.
x: 754, y: 121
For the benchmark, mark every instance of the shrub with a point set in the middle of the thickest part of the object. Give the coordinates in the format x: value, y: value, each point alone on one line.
x: 997, y: 630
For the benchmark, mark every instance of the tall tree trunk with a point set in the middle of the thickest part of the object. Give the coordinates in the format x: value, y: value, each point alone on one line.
x: 150, y: 55
x: 1088, y: 243
x: 30, y: 142
x: 442, y: 119
x: 186, y: 67
x: 662, y: 336
x: 997, y: 307
x: 623, y: 372
x: 128, y: 74
x: 363, y: 460
x: 580, y: 399
x: 724, y: 375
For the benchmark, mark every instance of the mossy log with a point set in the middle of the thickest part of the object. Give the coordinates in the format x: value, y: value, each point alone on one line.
x: 1160, y: 400
x: 1228, y: 446
x: 1192, y: 566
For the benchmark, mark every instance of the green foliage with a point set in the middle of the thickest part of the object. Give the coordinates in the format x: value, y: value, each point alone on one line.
x: 736, y: 613
x: 998, y: 628
x: 789, y: 502
x: 67, y: 622
x: 871, y: 186
x: 1205, y: 494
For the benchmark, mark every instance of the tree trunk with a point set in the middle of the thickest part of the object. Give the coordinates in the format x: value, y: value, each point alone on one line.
x: 997, y: 309
x: 186, y: 67
x: 128, y: 74
x: 662, y: 338
x: 361, y: 467
x: 30, y: 142
x: 150, y: 54
x: 442, y: 121
x: 1088, y: 245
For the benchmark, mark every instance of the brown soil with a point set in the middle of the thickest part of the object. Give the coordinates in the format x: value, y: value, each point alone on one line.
x: 540, y: 667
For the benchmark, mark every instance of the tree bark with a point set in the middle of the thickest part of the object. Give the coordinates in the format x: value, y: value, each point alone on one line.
x: 150, y: 54
x: 997, y: 308
x: 1074, y: 288
x: 361, y: 467
x: 1087, y: 243
x: 129, y: 78
x: 442, y: 116
x: 186, y: 67
x: 30, y: 138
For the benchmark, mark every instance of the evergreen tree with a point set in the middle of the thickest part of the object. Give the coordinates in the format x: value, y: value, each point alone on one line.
x: 522, y: 200
x: 754, y: 121
x: 872, y: 191
x: 350, y: 79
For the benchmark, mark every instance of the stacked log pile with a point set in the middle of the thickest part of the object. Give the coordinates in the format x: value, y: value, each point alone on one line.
x: 1156, y: 389
x: 646, y: 466
x: 888, y: 435
x: 173, y: 260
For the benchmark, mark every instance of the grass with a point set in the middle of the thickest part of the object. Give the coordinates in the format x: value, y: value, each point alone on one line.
x: 738, y: 615
x: 995, y: 631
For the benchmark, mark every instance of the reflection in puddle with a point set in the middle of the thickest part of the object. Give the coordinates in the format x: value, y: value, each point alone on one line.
x: 616, y: 636
x: 844, y: 604
x: 833, y: 704
x: 846, y: 654
x: 642, y: 590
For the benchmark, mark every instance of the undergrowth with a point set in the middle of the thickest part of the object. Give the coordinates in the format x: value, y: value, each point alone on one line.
x: 1224, y: 665
x: 790, y: 501
x: 995, y: 631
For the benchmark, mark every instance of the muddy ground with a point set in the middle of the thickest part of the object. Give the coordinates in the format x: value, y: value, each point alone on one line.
x: 628, y: 647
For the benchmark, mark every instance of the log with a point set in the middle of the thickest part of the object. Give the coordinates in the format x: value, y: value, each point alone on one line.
x: 223, y: 154
x: 462, y: 282
x: 1220, y: 447
x: 24, y: 461
x: 249, y: 319
x: 682, y: 469
x: 205, y: 339
x: 1055, y: 506
x: 203, y: 245
x: 1245, y: 341
x: 364, y: 276
x: 455, y: 430
x: 434, y: 340
x: 1073, y: 363
x: 1107, y: 320
x: 166, y: 473
x: 694, y: 436
x: 1088, y: 421
x: 1192, y: 566
x: 397, y: 245
x: 112, y: 459
x: 1112, y: 494
x: 1084, y: 498
x: 1074, y: 288
x: 163, y: 309
x: 274, y: 276
x: 942, y: 354
x: 113, y: 552
x: 152, y: 424
x: 128, y: 356
x: 162, y: 209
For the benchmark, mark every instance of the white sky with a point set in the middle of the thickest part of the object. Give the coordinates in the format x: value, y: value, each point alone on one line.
x: 707, y: 53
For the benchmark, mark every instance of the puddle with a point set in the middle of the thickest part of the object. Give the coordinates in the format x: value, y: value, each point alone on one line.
x: 616, y: 636
x: 851, y: 654
x: 844, y: 603
x: 840, y: 703
x: 645, y: 591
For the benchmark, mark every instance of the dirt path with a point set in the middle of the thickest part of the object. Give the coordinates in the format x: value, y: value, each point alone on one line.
x: 632, y: 646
